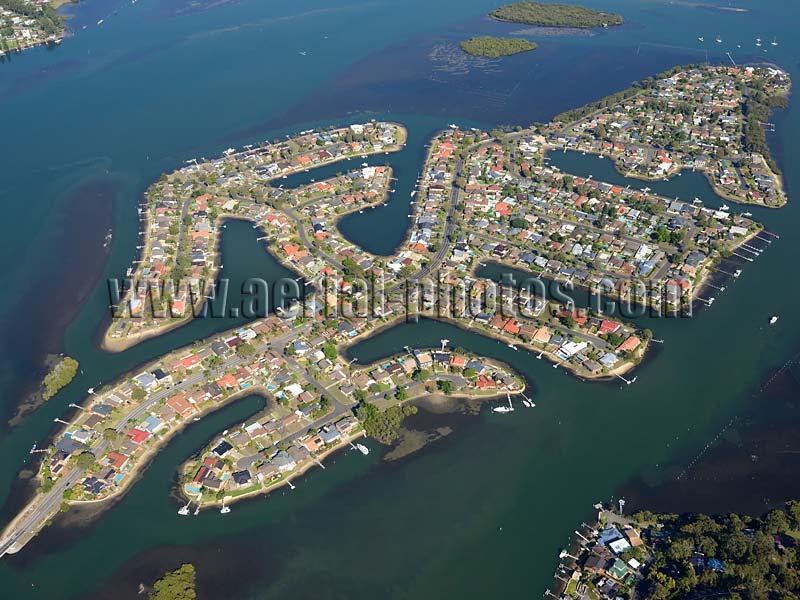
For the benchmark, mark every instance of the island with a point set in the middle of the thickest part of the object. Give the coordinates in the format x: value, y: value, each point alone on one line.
x: 25, y: 23
x: 176, y: 585
x: 495, y: 47
x: 554, y: 15
x: 482, y: 200
x: 660, y: 556
x: 59, y: 376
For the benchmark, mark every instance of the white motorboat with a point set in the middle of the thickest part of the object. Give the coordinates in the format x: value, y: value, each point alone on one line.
x: 362, y: 448
x: 773, y: 320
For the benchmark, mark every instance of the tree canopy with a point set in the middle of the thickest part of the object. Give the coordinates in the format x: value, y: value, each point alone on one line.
x: 554, y: 15
x: 60, y: 376
x: 495, y: 47
x: 176, y: 585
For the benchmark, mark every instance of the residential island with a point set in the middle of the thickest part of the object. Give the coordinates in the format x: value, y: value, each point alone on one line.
x: 554, y: 15
x: 28, y: 23
x: 495, y: 47
x: 660, y: 556
x: 482, y: 198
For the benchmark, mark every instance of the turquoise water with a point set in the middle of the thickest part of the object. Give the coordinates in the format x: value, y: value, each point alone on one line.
x: 95, y: 120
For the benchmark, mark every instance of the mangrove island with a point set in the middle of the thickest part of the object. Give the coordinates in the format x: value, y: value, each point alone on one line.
x: 495, y: 47
x: 554, y: 15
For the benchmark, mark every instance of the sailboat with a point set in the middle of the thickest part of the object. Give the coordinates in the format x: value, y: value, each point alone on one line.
x: 701, y: 39
x: 718, y: 40
x: 774, y: 41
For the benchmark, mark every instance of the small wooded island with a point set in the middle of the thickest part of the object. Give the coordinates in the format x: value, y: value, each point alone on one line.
x: 554, y: 15
x: 495, y: 47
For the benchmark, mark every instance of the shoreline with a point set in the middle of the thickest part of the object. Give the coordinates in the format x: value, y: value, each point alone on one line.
x: 122, y: 343
x: 640, y: 177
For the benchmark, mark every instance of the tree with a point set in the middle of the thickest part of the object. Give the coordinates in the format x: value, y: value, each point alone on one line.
x: 61, y: 375
x: 245, y: 350
x: 138, y: 394
x: 401, y: 394
x: 325, y: 403
x: 176, y: 585
x: 110, y: 434
x: 445, y: 386
x: 519, y: 223
x: 329, y: 350
x: 84, y: 460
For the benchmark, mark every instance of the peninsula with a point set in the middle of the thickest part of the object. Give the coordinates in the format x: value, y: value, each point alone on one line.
x: 660, y: 556
x: 482, y: 197
x: 495, y: 47
x: 25, y: 23
x: 554, y: 15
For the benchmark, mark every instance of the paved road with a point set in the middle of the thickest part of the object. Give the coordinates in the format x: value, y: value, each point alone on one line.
x: 449, y: 230
x: 46, y: 505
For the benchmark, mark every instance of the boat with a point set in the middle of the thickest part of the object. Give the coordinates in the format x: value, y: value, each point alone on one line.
x: 758, y: 43
x: 724, y: 207
x: 512, y: 346
x: 225, y: 509
x: 302, y: 53
x: 413, y: 193
x: 453, y: 126
x: 362, y: 448
x: 364, y: 164
x: 747, y: 214
x: 773, y: 320
x: 100, y: 22
x: 774, y: 42
x: 701, y: 39
x: 503, y: 408
x: 184, y: 510
x: 197, y: 510
x: 718, y: 40
x: 737, y: 272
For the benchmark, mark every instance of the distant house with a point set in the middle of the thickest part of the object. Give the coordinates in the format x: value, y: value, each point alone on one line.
x: 241, y: 477
x: 222, y: 449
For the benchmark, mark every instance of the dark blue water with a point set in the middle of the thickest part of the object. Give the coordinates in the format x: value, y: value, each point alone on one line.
x: 93, y: 122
